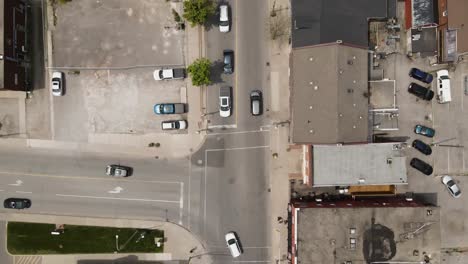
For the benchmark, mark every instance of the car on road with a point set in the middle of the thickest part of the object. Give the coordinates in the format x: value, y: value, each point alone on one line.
x: 225, y: 101
x: 17, y: 203
x: 422, y: 147
x: 174, y: 124
x: 256, y: 103
x: 421, y: 166
x: 424, y: 130
x: 168, y: 109
x: 421, y: 75
x: 224, y: 18
x: 57, y: 83
x: 168, y: 74
x: 228, y: 60
x: 421, y: 91
x: 117, y: 170
x: 233, y: 244
x: 444, y: 94
x: 452, y: 187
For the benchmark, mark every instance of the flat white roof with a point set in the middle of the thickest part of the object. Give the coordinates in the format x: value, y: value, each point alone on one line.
x: 363, y: 164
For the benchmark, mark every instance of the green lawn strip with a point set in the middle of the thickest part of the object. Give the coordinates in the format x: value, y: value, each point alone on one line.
x: 35, y: 238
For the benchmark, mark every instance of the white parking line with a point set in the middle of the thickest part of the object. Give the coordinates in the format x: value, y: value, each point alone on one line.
x: 23, y: 192
x: 181, y: 202
x: 223, y: 126
x: 238, y: 132
x: 242, y: 148
x: 115, y: 198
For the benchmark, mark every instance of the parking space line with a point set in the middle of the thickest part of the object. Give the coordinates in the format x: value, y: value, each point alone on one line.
x: 181, y: 203
x: 115, y: 198
x: 223, y: 126
x: 23, y: 192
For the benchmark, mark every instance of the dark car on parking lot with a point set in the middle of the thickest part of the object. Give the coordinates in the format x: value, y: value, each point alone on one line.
x: 421, y: 166
x: 424, y: 130
x: 421, y: 75
x: 228, y: 60
x: 17, y: 203
x: 421, y: 91
x: 256, y: 103
x: 422, y: 147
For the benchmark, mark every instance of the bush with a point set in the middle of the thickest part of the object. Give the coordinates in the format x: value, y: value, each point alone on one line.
x: 176, y: 16
x: 199, y: 71
x: 198, y: 11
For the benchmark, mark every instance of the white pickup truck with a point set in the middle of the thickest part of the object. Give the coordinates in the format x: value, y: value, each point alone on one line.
x: 169, y: 74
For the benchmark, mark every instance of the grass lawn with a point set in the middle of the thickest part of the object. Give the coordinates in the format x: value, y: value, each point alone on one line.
x: 33, y: 238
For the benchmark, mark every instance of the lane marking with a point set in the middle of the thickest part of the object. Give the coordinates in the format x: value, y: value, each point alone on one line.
x: 241, y: 148
x: 252, y: 261
x: 18, y: 183
x: 115, y: 198
x: 238, y: 132
x: 23, y: 192
x: 117, y: 189
x: 189, y: 189
x: 83, y: 178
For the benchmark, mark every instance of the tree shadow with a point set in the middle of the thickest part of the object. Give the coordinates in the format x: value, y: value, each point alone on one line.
x: 216, y: 72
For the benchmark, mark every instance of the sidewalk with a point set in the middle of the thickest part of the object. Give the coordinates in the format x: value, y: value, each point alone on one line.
x: 179, y: 241
x: 279, y: 112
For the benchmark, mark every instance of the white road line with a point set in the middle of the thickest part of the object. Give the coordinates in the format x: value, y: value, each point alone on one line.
x: 242, y: 148
x: 238, y: 132
x: 82, y: 178
x: 223, y: 126
x: 181, y: 202
x: 189, y: 189
x: 252, y: 261
x: 204, y: 197
x: 2, y: 190
x: 115, y: 198
x: 23, y: 192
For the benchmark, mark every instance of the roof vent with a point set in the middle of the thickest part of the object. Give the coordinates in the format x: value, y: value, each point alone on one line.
x: 361, y: 181
x: 339, y: 41
x: 311, y: 59
x: 316, y: 87
x: 350, y: 62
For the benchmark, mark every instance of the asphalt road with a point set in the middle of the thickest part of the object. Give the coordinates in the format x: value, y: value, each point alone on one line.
x: 69, y: 183
x: 248, y: 40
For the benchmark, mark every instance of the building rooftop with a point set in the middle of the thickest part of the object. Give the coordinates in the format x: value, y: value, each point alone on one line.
x: 423, y: 13
x: 366, y: 235
x: 424, y: 41
x: 361, y: 164
x: 458, y: 20
x: 329, y: 94
x: 323, y: 21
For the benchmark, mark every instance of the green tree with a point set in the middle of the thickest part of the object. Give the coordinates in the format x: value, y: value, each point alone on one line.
x: 198, y: 11
x: 199, y: 71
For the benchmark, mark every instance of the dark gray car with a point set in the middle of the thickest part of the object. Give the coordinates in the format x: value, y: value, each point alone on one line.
x: 228, y: 60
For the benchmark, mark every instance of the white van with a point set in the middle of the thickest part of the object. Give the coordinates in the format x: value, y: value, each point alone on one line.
x: 224, y: 18
x: 443, y: 87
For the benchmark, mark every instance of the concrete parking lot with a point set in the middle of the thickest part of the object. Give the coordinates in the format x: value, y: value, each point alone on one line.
x: 112, y: 102
x: 449, y: 156
x: 108, y: 51
x: 116, y: 33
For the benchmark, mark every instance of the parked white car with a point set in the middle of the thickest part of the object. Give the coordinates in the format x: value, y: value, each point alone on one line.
x: 451, y: 186
x: 233, y: 244
x: 224, y: 18
x: 225, y: 101
x: 174, y: 125
x: 57, y: 83
x: 443, y: 87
